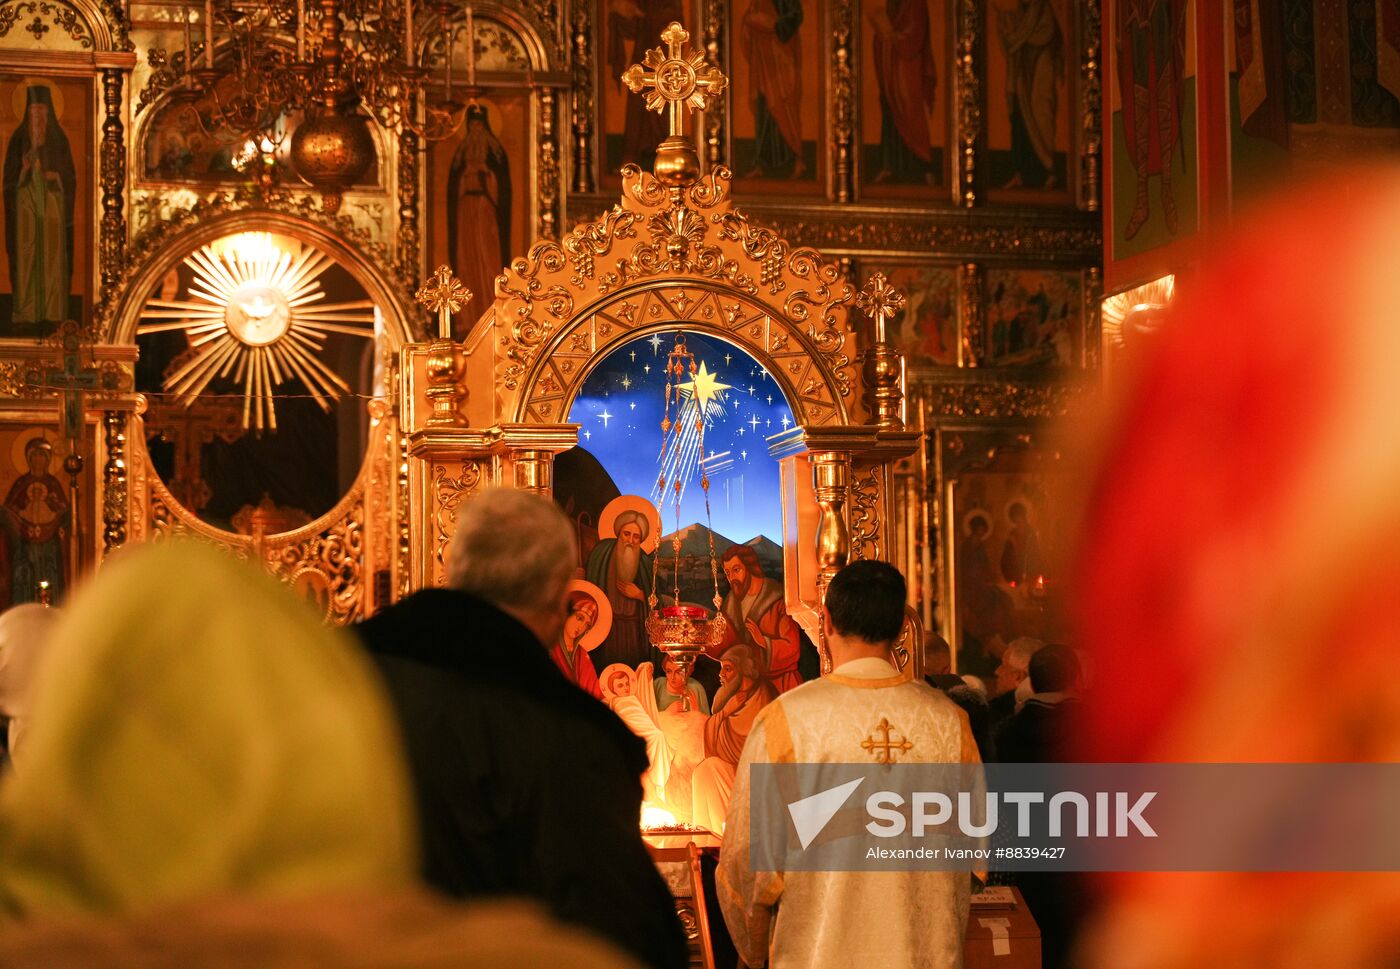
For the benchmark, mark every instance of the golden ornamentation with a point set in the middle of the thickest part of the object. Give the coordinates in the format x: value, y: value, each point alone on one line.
x: 448, y: 493
x: 1092, y: 110
x: 716, y: 21
x: 444, y: 295
x: 114, y: 493
x: 409, y: 251
x: 881, y: 367
x: 581, y: 97
x: 843, y: 100
x: 62, y: 16
x: 547, y: 166
x: 971, y: 311
x: 866, y: 491
x: 1007, y: 399
x: 880, y: 301
x: 1137, y: 311
x: 969, y: 97
x: 112, y: 244
x: 885, y: 748
x: 675, y: 78
x: 331, y: 152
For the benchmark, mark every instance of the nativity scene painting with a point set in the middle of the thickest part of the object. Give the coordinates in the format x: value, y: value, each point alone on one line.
x: 686, y: 546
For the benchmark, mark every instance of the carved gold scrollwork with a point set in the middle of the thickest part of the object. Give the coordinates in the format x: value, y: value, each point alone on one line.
x: 1007, y: 399
x: 114, y: 493
x: 1090, y: 68
x: 409, y: 248
x: 112, y: 248
x: 581, y: 105
x: 865, y: 514
x: 548, y: 194
x: 716, y: 118
x: 843, y: 100
x: 449, y: 492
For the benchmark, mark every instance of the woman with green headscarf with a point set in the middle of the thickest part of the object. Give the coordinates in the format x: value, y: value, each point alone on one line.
x: 211, y: 768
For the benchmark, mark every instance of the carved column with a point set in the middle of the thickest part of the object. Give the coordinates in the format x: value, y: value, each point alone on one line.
x: 716, y: 118
x: 1093, y: 316
x: 409, y: 243
x: 831, y: 485
x: 114, y: 492
x: 843, y: 101
x: 548, y: 171
x: 969, y: 100
x: 113, y: 174
x: 1092, y: 106
x: 534, y: 471
x: 582, y: 103
x: 972, y: 313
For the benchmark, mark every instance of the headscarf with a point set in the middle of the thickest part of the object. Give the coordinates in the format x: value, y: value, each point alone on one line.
x: 198, y: 732
x: 24, y: 631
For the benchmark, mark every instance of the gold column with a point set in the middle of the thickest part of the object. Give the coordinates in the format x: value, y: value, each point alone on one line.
x: 534, y: 471
x: 114, y: 493
x: 831, y: 484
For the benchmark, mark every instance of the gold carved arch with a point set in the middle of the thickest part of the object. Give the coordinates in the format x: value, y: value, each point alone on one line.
x: 663, y: 259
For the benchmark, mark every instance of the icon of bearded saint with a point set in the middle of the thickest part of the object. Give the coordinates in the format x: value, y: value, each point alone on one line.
x: 758, y: 618
x: 623, y: 570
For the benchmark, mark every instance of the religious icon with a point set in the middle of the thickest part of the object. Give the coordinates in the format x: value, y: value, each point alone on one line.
x: 621, y: 566
x: 587, y: 622
x: 632, y: 28
x: 616, y: 681
x: 907, y: 79
x: 1151, y: 50
x: 40, y: 190
x: 1034, y: 317
x: 770, y: 38
x: 1033, y: 44
x: 758, y: 619
x: 479, y: 207
x: 35, y: 519
x: 925, y: 329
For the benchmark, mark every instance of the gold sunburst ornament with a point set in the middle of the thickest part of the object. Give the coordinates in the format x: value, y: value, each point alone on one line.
x: 255, y: 314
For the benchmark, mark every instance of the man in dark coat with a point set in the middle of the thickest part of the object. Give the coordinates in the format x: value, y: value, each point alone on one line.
x: 526, y: 785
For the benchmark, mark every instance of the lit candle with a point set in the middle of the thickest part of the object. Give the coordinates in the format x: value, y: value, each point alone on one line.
x: 408, y: 32
x: 301, y: 31
x: 471, y: 49
x: 209, y: 33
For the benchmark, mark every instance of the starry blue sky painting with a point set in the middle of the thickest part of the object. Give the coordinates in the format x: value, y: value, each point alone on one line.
x: 620, y: 408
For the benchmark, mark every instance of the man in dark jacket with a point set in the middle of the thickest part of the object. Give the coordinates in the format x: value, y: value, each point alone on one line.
x: 526, y: 785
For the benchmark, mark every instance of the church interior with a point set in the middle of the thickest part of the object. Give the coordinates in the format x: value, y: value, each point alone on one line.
x: 752, y: 290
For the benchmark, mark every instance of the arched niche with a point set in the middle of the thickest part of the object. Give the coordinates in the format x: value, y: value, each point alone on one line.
x: 346, y: 558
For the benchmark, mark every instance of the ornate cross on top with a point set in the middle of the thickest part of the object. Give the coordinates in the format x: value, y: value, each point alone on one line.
x: 884, y: 749
x: 677, y: 78
x: 880, y: 301
x: 443, y: 294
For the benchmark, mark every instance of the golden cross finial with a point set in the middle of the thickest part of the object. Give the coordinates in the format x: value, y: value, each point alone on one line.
x: 880, y: 301
x: 884, y: 749
x: 444, y: 295
x: 677, y: 79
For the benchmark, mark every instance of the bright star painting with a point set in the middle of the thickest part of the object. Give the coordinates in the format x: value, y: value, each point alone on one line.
x: 620, y: 409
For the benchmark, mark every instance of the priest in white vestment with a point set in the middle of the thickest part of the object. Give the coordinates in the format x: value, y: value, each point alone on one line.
x: 820, y: 919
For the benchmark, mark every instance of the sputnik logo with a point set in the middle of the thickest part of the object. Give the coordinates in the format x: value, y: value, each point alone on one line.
x: 813, y: 813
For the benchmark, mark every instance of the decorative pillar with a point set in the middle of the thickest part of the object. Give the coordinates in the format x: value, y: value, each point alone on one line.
x: 831, y: 484
x: 112, y: 248
x: 548, y: 171
x: 882, y: 369
x: 843, y: 101
x: 114, y: 492
x: 409, y: 247
x: 716, y: 120
x: 534, y: 471
x: 972, y: 314
x: 969, y: 101
x: 582, y: 98
x: 1091, y: 72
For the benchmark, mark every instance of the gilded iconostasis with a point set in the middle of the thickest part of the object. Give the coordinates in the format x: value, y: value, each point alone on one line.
x: 195, y: 341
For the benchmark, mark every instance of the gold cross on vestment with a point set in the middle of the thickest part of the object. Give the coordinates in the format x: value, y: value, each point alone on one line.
x: 884, y: 749
x: 444, y: 295
x: 677, y: 78
x: 880, y: 301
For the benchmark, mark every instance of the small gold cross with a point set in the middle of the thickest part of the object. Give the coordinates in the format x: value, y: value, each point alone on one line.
x: 443, y: 294
x: 884, y: 749
x: 880, y: 301
x: 677, y: 78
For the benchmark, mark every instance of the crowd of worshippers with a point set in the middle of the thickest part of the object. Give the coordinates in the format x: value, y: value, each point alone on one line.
x: 198, y: 767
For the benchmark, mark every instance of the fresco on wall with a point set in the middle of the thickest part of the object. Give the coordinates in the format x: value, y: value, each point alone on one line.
x: 905, y: 83
x: 46, y: 128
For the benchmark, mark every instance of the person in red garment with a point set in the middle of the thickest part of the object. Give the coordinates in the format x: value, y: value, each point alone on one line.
x: 758, y: 618
x: 1242, y: 542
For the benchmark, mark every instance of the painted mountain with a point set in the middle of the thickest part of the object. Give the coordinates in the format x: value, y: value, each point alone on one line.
x: 696, y: 584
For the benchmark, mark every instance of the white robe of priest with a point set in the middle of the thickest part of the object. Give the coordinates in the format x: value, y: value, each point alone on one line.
x: 844, y: 919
